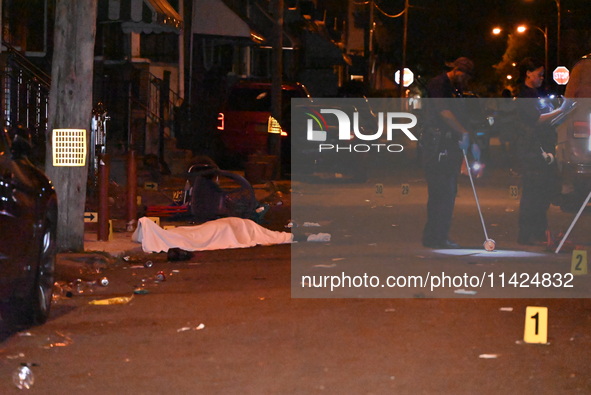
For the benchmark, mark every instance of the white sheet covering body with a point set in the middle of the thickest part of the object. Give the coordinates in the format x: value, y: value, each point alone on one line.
x: 219, y: 234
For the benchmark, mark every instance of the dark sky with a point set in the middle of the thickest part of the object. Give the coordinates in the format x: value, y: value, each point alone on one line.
x: 441, y: 30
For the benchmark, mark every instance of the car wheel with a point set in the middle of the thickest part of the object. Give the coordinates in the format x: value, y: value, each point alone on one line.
x: 34, y: 308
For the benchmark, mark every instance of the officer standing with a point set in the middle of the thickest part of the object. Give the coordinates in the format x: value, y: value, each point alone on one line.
x: 445, y: 137
x: 536, y: 147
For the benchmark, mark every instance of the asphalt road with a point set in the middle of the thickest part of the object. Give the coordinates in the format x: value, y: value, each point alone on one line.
x: 243, y: 321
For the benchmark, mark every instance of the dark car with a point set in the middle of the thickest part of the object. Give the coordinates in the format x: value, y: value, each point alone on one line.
x: 243, y: 122
x: 28, y: 220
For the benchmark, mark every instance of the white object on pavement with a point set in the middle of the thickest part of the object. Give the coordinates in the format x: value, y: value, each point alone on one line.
x: 223, y: 233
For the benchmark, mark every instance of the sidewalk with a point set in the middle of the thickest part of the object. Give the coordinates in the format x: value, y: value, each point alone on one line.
x: 119, y: 245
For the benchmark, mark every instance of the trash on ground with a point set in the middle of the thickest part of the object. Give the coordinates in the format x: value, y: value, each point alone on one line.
x: 319, y: 237
x: 176, y: 254
x: 488, y: 356
x: 23, y: 377
x: 465, y: 292
x: 110, y: 301
x: 506, y: 309
x: 64, y: 342
x: 191, y: 328
x: 326, y: 265
x: 311, y: 224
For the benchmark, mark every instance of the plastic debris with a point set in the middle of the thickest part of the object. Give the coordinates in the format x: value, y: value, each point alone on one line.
x: 465, y: 292
x: 104, y: 281
x: 23, y: 377
x: 506, y: 309
x: 319, y: 237
x: 63, y: 342
x: 311, y: 224
x: 326, y: 265
x: 160, y: 276
x: 141, y: 291
x: 109, y: 301
x: 148, y: 264
x: 191, y: 328
x: 488, y: 356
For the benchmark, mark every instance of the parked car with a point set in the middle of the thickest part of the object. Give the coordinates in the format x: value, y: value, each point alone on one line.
x: 333, y: 159
x: 573, y: 151
x: 243, y: 122
x: 28, y: 223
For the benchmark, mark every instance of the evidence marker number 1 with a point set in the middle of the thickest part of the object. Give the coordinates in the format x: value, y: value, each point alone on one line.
x: 536, y: 325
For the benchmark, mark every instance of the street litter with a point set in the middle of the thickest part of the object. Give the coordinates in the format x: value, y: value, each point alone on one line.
x: 338, y: 259
x: 66, y: 341
x: 325, y: 265
x: 191, y: 328
x: 488, y: 356
x: 319, y: 237
x: 176, y: 254
x: 311, y: 224
x: 506, y: 309
x: 223, y: 233
x: 23, y: 377
x: 464, y: 292
x: 16, y: 356
x: 110, y: 301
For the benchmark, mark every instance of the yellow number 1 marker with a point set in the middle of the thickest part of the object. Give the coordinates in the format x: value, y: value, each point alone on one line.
x: 536, y: 325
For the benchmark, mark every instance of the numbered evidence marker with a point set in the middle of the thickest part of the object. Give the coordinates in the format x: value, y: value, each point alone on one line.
x: 579, y: 262
x: 514, y: 191
x: 379, y: 189
x: 405, y: 189
x: 536, y: 325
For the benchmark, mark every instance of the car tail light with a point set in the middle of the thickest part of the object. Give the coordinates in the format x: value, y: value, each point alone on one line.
x: 274, y: 127
x: 221, y: 121
x: 581, y: 130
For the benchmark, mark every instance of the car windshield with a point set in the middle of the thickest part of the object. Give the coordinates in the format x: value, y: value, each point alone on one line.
x: 250, y: 99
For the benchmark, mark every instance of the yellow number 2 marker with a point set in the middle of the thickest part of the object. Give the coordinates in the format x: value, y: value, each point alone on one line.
x: 536, y: 325
x: 579, y: 262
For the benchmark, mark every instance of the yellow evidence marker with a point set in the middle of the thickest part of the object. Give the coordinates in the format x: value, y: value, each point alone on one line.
x: 579, y: 262
x: 536, y: 325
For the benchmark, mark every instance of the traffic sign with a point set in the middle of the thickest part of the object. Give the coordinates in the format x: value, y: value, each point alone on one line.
x: 561, y: 75
x: 409, y: 77
x: 90, y: 216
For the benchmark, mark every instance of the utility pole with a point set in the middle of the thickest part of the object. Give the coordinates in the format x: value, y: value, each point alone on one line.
x: 404, y: 40
x: 274, y: 139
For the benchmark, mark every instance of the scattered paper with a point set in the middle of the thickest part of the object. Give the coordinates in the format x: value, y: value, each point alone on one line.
x: 326, y: 265
x: 118, y: 300
x: 464, y: 292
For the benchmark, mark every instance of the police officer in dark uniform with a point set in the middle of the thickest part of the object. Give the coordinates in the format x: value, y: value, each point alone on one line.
x: 445, y: 137
x: 536, y: 148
